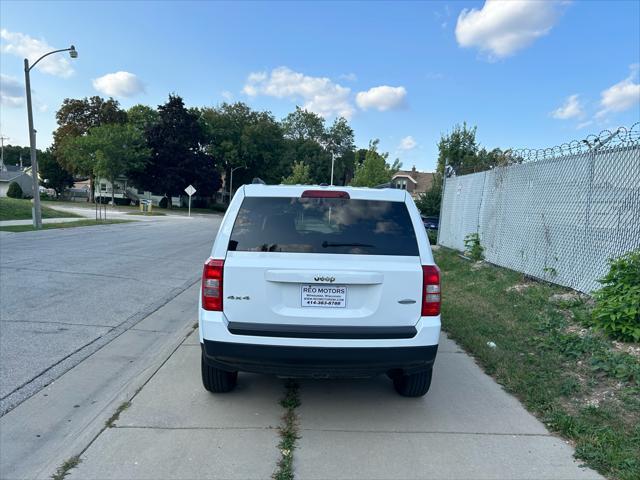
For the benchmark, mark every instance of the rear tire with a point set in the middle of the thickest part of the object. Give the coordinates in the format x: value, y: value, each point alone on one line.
x: 413, y: 385
x: 216, y: 380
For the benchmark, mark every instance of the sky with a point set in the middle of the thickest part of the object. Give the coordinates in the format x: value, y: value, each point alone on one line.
x: 527, y: 73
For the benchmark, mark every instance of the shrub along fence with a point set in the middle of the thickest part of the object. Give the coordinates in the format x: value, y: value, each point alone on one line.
x: 556, y: 214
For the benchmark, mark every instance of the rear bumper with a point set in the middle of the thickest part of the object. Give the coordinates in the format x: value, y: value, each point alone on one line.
x: 304, y: 361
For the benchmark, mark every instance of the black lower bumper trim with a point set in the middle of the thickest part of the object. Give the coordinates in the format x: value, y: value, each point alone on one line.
x: 317, y: 361
x: 320, y: 331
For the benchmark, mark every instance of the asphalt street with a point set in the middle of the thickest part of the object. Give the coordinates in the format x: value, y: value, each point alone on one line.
x: 65, y: 293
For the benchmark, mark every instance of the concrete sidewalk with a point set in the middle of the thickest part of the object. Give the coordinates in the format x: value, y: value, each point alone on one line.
x: 467, y: 427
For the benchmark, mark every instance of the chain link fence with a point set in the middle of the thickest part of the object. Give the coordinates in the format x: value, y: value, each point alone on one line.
x: 556, y: 214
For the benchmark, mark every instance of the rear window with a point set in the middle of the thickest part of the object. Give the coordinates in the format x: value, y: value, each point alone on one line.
x: 323, y: 225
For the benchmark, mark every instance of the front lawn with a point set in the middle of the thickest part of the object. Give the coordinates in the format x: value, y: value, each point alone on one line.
x: 579, y: 383
x: 17, y: 209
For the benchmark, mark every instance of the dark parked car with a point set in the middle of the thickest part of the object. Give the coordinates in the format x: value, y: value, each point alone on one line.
x: 431, y: 223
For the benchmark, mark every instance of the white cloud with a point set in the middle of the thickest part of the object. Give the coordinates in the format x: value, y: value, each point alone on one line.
x: 227, y: 95
x: 320, y: 94
x: 571, y: 108
x: 582, y: 125
x: 500, y: 27
x: 119, y: 84
x: 621, y: 96
x: 381, y: 98
x: 407, y: 143
x: 11, y: 92
x: 25, y: 46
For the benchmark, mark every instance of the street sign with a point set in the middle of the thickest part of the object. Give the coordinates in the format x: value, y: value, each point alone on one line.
x: 190, y: 191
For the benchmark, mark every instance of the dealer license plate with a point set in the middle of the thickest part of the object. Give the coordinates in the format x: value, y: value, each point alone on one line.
x: 328, y: 296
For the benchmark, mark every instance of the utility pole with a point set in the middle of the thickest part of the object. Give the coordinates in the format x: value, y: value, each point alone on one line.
x: 2, y: 139
x: 36, y: 211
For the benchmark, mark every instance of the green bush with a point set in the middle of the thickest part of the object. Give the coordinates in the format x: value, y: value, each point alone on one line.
x: 164, y: 202
x: 14, y: 191
x: 472, y: 246
x: 433, y: 237
x: 617, y: 310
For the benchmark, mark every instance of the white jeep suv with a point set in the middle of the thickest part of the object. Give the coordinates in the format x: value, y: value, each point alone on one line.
x: 320, y: 282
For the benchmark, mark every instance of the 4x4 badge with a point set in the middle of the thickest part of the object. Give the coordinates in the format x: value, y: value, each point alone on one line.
x: 325, y: 279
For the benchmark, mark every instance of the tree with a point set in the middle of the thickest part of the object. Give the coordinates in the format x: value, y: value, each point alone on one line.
x: 299, y: 175
x: 307, y: 140
x: 77, y: 154
x: 429, y: 202
x: 313, y: 155
x: 303, y: 125
x: 340, y: 142
x: 374, y: 170
x: 107, y: 151
x: 13, y: 154
x: 55, y: 176
x: 142, y: 117
x: 120, y: 151
x: 238, y: 136
x: 458, y: 150
x: 178, y: 157
x: 14, y: 190
x: 75, y: 118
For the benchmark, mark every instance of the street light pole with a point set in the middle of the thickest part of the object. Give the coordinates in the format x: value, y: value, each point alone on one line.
x: 2, y: 139
x: 333, y: 159
x: 231, y: 182
x: 36, y: 211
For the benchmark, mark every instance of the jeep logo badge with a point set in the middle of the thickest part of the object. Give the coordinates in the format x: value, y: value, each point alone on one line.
x: 325, y: 279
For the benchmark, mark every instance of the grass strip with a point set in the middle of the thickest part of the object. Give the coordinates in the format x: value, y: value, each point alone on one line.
x: 18, y: 209
x: 288, y: 431
x: 581, y: 384
x: 50, y: 226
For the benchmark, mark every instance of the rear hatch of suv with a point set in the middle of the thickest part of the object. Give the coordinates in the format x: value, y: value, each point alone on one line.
x: 322, y: 264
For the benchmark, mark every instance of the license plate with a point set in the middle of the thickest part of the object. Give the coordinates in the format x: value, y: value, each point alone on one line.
x: 328, y: 296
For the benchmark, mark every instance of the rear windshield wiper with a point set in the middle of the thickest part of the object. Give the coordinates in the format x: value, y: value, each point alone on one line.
x: 326, y: 244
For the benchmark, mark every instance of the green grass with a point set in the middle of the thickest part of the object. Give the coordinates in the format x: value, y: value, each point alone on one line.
x: 110, y: 423
x: 17, y: 209
x: 288, y: 431
x: 49, y: 226
x: 64, y: 469
x: 571, y: 377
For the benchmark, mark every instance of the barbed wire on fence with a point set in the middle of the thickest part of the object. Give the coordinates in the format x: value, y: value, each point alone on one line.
x: 621, y: 137
x: 559, y: 220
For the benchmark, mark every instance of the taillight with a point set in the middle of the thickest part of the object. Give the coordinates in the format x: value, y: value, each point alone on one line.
x: 212, y: 285
x: 325, y: 194
x: 430, y: 290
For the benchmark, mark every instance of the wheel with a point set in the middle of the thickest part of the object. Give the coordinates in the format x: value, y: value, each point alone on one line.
x: 216, y: 380
x: 413, y: 385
